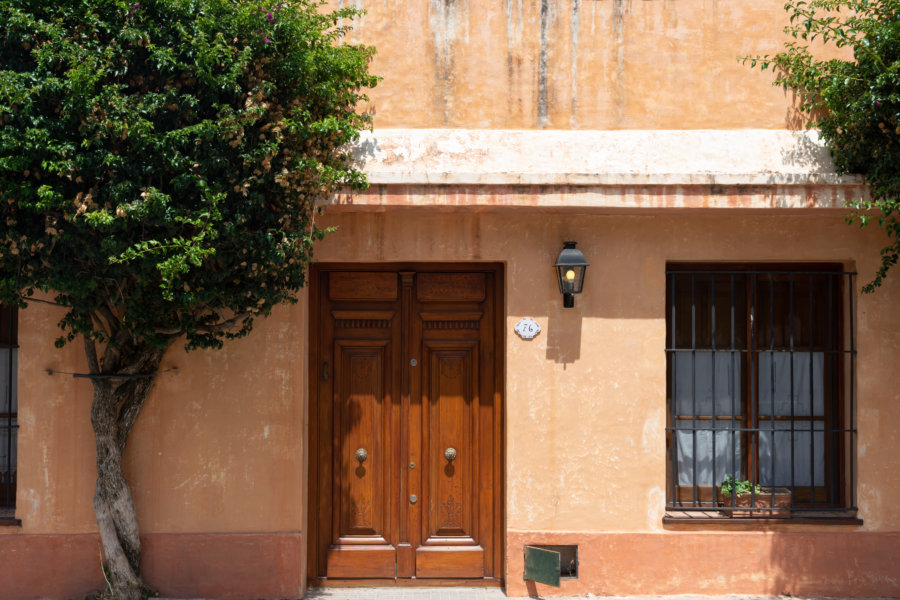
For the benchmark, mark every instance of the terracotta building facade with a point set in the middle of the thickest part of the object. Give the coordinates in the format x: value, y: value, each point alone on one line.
x: 431, y: 408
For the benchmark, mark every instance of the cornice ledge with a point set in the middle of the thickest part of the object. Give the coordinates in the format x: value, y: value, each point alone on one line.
x: 488, y: 157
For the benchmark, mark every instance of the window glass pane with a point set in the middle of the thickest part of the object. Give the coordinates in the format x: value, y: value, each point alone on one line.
x: 773, y: 310
x: 5, y: 399
x: 8, y: 326
x: 709, y: 307
x: 7, y: 449
x: 801, y: 304
x: 695, y: 380
x: 8, y: 407
x: 778, y: 456
x: 775, y: 376
x: 727, y: 452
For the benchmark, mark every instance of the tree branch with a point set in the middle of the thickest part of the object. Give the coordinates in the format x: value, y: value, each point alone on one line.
x: 113, y: 354
x: 90, y: 350
x: 99, y: 323
x: 136, y: 392
x: 112, y: 322
x: 216, y: 328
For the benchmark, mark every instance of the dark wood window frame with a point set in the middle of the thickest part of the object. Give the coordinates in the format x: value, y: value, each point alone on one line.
x: 749, y: 314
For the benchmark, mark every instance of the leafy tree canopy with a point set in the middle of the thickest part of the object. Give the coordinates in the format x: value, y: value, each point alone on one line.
x: 160, y: 163
x: 854, y: 101
x: 160, y: 160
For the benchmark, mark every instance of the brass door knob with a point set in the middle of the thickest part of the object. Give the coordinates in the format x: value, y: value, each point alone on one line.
x: 450, y: 454
x: 362, y: 455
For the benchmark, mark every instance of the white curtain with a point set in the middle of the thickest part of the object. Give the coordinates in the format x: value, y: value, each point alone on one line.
x: 703, y: 379
x: 694, y: 370
x: 778, y: 445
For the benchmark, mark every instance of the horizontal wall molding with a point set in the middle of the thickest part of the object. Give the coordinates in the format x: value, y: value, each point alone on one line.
x: 636, y: 199
x: 489, y: 157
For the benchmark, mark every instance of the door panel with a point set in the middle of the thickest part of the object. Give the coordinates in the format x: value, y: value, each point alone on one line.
x: 449, y: 562
x: 415, y: 387
x: 449, y: 424
x: 359, y: 562
x: 450, y: 543
x: 449, y: 421
x: 362, y: 432
x: 362, y: 286
x: 362, y: 421
x: 451, y: 287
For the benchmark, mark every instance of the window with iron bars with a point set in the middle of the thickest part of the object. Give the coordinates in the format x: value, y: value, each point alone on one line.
x: 760, y: 392
x: 9, y: 424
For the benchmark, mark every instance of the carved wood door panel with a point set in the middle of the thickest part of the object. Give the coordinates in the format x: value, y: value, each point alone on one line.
x: 406, y: 440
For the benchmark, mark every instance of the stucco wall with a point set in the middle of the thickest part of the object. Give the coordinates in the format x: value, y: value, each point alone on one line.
x: 218, y: 427
x: 216, y: 460
x: 580, y: 64
x: 586, y: 399
x: 215, y: 463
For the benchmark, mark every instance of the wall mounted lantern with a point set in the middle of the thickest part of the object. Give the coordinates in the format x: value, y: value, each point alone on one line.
x: 570, y: 267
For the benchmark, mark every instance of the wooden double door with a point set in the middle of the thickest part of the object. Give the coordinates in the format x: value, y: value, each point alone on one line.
x: 406, y: 423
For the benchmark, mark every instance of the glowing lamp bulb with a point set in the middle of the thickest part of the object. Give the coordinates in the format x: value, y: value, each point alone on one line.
x: 570, y: 275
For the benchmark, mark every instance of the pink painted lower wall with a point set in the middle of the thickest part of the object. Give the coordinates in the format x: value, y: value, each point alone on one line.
x: 238, y: 566
x: 833, y: 564
x: 49, y: 566
x: 225, y: 566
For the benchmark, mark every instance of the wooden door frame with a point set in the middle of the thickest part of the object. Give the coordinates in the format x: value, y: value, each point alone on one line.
x: 499, y: 460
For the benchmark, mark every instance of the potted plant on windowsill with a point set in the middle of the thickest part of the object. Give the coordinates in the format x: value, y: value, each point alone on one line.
x: 765, y: 501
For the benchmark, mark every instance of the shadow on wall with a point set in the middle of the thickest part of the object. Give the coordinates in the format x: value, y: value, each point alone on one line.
x: 617, y: 283
x: 861, y: 565
x: 564, y: 327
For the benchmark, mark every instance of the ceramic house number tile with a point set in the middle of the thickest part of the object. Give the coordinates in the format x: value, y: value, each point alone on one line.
x: 527, y: 328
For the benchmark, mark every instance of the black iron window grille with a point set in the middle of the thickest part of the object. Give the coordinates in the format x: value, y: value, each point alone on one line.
x: 760, y: 391
x: 9, y: 424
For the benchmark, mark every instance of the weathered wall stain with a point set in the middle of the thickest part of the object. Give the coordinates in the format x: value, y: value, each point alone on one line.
x: 603, y: 64
x: 514, y: 60
x: 575, y: 24
x: 618, y: 7
x: 357, y: 25
x: 446, y: 18
x: 543, y: 93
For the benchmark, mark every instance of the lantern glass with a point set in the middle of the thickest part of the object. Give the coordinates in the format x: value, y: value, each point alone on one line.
x: 570, y: 268
x: 571, y: 279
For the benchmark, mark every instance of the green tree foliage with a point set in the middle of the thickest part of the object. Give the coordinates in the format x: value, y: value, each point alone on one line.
x: 854, y: 101
x: 162, y: 158
x: 160, y: 163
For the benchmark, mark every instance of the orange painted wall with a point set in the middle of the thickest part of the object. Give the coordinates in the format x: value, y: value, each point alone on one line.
x: 218, y: 427
x: 215, y: 462
x: 579, y: 64
x: 585, y: 400
x: 219, y: 449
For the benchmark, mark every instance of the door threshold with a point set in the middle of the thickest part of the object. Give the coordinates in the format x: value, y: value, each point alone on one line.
x: 321, y: 582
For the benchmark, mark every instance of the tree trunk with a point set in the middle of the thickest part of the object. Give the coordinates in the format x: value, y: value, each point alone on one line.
x: 117, y: 402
